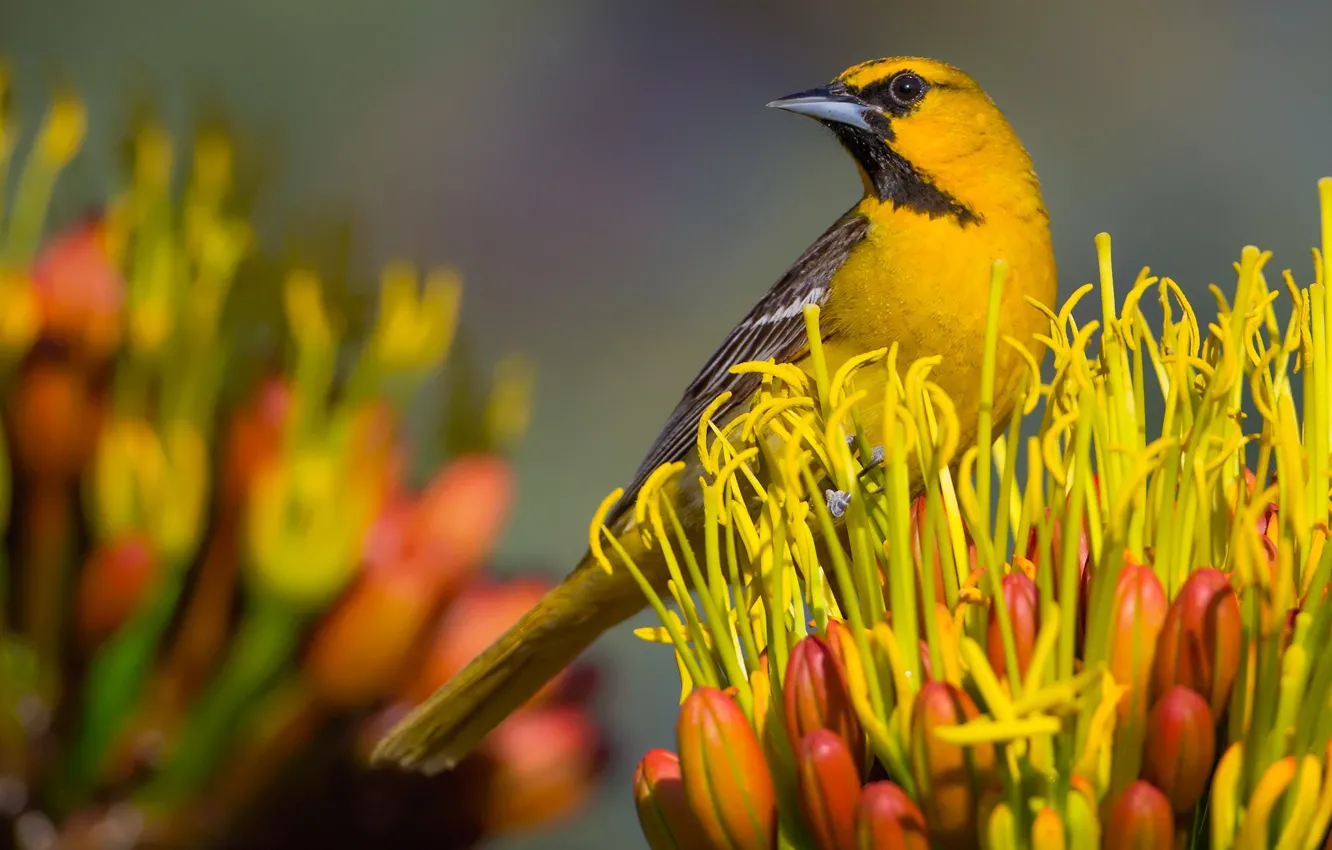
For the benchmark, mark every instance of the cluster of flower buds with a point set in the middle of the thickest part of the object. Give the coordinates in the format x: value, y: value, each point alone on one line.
x: 721, y: 790
x: 200, y: 596
x: 949, y: 666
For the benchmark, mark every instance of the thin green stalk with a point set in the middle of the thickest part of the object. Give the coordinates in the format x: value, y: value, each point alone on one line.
x: 263, y: 646
x: 903, y: 593
x: 115, y: 681
x: 682, y: 647
x: 842, y: 571
x: 1068, y: 558
x: 718, y: 627
x: 744, y: 624
x: 985, y: 413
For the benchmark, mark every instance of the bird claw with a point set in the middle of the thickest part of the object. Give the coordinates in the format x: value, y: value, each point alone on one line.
x: 838, y: 501
x: 876, y: 453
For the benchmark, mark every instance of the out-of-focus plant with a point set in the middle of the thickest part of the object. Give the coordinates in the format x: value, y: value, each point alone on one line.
x: 206, y: 609
x: 1113, y: 632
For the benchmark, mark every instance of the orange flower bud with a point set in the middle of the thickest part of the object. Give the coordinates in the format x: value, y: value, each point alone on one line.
x: 1047, y: 830
x: 54, y: 420
x: 359, y: 649
x: 816, y: 696
x: 417, y: 555
x: 114, y: 581
x: 1138, y: 612
x: 1199, y: 645
x: 544, y: 764
x: 726, y: 777
x: 461, y: 514
x: 663, y: 811
x: 483, y: 612
x: 1024, y: 613
x: 843, y: 646
x: 949, y: 779
x: 886, y: 819
x: 829, y: 782
x: 1140, y: 819
x: 1181, y: 747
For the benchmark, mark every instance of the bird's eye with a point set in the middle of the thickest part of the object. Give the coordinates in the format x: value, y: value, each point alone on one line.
x: 906, y: 88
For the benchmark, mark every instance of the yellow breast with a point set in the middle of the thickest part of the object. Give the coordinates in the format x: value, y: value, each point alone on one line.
x: 923, y: 283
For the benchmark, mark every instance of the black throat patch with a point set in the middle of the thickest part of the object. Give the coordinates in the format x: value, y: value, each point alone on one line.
x: 896, y: 180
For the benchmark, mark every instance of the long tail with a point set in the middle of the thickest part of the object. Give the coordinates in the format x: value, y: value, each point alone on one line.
x: 452, y: 722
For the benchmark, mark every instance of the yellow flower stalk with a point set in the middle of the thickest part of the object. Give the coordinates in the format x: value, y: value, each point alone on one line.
x: 1160, y: 435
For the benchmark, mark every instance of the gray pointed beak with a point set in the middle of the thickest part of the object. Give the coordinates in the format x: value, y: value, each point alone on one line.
x: 830, y: 103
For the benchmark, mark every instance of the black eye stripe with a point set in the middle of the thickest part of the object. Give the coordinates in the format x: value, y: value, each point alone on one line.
x: 897, y: 95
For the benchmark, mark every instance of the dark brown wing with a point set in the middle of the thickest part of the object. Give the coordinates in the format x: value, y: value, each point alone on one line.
x: 775, y: 329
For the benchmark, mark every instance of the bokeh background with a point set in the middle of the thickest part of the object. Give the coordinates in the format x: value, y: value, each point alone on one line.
x: 606, y: 177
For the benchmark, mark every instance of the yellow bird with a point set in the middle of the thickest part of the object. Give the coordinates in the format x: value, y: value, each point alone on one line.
x: 948, y: 189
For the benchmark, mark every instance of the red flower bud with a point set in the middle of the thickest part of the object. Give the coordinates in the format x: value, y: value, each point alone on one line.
x: 80, y: 291
x: 726, y: 777
x: 918, y: 546
x: 816, y: 696
x: 1199, y: 645
x: 1181, y: 747
x: 253, y: 440
x: 1024, y: 613
x: 829, y: 782
x: 1140, y: 819
x: 1057, y: 547
x: 1138, y: 612
x: 950, y: 779
x: 886, y: 819
x: 114, y: 581
x: 544, y: 763
x: 663, y: 810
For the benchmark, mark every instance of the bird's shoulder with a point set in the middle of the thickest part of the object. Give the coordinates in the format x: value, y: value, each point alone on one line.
x: 773, y: 329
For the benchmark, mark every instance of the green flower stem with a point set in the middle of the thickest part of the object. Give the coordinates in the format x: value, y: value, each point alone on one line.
x: 1068, y: 558
x: 818, y: 362
x: 718, y: 629
x: 927, y: 535
x: 679, y: 590
x: 46, y: 566
x: 902, y: 592
x: 985, y: 416
x: 743, y: 603
x: 991, y: 558
x: 27, y: 219
x: 773, y: 585
x: 936, y: 521
x: 6, y: 499
x: 115, y: 681
x: 262, y: 648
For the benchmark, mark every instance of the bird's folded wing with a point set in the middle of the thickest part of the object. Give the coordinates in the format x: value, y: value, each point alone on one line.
x: 774, y: 329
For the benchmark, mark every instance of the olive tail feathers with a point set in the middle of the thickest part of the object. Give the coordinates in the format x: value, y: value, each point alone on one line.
x: 449, y: 725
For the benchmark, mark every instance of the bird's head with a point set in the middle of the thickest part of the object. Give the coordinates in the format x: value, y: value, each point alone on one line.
x: 925, y: 136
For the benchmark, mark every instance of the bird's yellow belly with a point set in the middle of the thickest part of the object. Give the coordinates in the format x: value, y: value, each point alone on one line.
x: 926, y: 284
